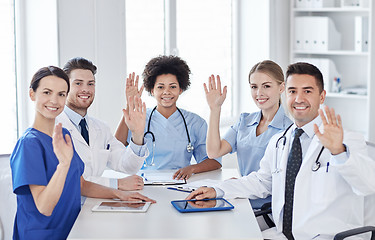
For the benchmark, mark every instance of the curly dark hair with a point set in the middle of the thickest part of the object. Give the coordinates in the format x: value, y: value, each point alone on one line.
x: 166, y: 65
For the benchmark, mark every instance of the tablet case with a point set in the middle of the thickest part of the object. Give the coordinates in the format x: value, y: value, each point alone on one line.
x: 129, y: 210
x: 218, y: 208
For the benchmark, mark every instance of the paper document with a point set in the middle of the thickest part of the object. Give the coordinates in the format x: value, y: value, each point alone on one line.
x: 203, y: 183
x: 160, y: 178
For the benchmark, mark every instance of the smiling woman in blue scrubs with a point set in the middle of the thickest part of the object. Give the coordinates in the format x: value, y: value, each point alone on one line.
x: 46, y: 170
x: 178, y: 134
x: 250, y: 135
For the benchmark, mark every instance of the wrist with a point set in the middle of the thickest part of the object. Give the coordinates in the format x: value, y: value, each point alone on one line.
x: 338, y: 150
x: 64, y: 167
x: 193, y: 168
x: 116, y: 194
x: 215, y: 109
x: 137, y: 139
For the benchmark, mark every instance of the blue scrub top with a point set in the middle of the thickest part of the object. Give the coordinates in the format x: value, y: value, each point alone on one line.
x: 34, y: 162
x: 171, y: 139
x: 250, y: 148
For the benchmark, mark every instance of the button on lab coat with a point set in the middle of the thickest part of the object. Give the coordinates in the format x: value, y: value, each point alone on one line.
x: 96, y: 156
x: 325, y: 202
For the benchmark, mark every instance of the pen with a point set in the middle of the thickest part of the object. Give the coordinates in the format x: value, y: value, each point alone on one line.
x: 182, y: 189
x: 108, y: 146
x: 144, y: 176
x: 327, y: 166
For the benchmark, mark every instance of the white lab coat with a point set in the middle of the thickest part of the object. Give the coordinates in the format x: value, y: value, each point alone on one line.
x: 96, y: 156
x: 325, y: 203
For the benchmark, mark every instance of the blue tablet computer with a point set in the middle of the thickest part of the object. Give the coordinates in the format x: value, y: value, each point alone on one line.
x: 213, y: 204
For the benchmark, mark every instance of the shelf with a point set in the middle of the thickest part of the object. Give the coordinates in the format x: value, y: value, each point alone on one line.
x: 333, y: 9
x: 354, y: 68
x: 347, y: 96
x: 332, y: 52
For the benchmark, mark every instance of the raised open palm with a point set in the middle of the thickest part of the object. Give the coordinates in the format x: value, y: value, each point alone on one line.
x: 214, y: 96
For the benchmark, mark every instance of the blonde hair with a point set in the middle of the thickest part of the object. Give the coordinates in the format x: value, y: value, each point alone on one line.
x: 270, y: 68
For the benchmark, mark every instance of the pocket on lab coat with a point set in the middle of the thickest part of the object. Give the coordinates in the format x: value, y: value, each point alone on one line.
x: 324, y: 185
x: 102, y: 160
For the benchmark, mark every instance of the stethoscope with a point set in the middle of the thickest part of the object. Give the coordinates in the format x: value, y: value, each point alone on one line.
x: 189, y: 147
x: 317, y: 163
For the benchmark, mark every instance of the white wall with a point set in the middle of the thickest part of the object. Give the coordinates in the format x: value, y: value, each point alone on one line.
x: 279, y: 40
x: 265, y: 38
x: 36, y: 47
x: 95, y: 29
x: 251, y: 47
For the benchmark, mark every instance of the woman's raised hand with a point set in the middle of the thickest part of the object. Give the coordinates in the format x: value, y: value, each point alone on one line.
x: 214, y: 96
x: 62, y: 146
x: 132, y: 86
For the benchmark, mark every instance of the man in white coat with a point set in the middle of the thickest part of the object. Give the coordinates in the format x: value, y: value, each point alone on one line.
x: 333, y: 180
x: 100, y: 148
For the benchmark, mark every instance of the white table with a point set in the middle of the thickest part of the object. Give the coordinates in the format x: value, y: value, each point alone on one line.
x: 163, y: 221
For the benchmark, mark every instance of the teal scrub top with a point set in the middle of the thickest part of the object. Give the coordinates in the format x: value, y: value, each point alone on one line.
x: 34, y: 162
x: 171, y: 140
x: 250, y: 148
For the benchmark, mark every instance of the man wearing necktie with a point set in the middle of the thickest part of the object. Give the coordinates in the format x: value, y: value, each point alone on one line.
x: 309, y: 202
x: 93, y: 139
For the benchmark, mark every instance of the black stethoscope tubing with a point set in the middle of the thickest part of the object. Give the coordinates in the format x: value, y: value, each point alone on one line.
x: 189, y: 146
x: 317, y: 162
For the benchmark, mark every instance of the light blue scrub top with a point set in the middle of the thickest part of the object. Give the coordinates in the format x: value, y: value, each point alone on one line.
x: 250, y: 148
x: 171, y: 139
x: 34, y: 162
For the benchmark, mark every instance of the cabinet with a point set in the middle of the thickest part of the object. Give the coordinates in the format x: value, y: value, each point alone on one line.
x: 348, y: 55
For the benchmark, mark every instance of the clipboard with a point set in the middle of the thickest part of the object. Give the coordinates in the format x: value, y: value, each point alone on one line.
x: 160, y: 178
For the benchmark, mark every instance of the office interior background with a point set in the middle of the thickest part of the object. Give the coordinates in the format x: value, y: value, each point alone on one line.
x: 221, y: 37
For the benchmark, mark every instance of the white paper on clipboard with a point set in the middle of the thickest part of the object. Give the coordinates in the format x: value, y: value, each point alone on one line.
x: 160, y: 178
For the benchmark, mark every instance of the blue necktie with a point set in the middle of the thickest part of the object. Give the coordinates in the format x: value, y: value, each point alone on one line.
x: 293, y: 166
x: 84, y: 132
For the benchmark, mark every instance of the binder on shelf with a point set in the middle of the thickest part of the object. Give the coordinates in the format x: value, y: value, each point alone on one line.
x: 323, y: 3
x: 318, y: 33
x: 311, y: 35
x: 309, y: 3
x: 354, y: 3
x: 327, y: 67
x: 300, y: 3
x: 298, y: 33
x: 328, y: 37
x: 314, y: 3
x: 361, y: 33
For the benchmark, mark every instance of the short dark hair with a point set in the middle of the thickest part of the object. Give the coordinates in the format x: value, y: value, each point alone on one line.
x: 166, y: 65
x: 306, y: 68
x: 79, y: 63
x: 48, y: 71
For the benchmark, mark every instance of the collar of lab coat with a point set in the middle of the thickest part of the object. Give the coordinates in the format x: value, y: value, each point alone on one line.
x: 92, y: 127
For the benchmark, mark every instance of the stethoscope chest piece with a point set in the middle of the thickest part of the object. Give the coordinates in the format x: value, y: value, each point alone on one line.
x: 189, y: 147
x: 317, y: 163
x: 316, y: 166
